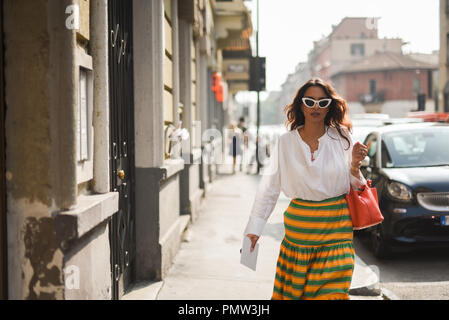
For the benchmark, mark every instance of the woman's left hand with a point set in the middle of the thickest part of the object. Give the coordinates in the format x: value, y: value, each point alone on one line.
x: 359, y: 153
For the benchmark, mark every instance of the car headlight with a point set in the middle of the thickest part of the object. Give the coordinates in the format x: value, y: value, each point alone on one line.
x: 399, y: 191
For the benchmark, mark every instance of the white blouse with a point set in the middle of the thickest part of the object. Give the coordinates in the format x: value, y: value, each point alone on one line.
x: 292, y: 171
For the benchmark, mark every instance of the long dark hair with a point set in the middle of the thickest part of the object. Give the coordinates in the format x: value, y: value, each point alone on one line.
x: 336, y: 117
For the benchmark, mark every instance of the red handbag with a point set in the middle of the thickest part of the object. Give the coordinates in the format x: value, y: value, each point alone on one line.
x: 364, y: 207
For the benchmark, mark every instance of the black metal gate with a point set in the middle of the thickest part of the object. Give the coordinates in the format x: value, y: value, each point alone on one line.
x: 121, y: 227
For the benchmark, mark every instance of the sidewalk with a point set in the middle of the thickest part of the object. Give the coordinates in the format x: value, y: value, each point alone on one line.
x: 207, y: 265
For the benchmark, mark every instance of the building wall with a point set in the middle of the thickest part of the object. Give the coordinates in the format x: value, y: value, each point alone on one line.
x: 168, y: 63
x: 3, y: 235
x: 341, y: 49
x: 324, y: 63
x: 59, y: 206
x: 34, y: 270
x: 443, y: 60
x: 87, y: 267
x: 356, y: 28
x: 341, y: 56
x: 195, y: 133
x: 398, y: 85
x: 333, y: 53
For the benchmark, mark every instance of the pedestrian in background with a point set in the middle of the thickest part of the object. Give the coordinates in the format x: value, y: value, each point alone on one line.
x: 314, y: 164
x: 244, y: 129
x: 241, y: 125
x: 235, y: 137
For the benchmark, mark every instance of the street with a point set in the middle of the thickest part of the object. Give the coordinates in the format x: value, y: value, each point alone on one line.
x: 415, y: 275
x: 116, y: 117
x: 207, y: 264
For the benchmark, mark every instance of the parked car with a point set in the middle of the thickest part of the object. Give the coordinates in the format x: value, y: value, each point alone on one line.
x: 364, y: 123
x: 409, y: 166
x: 429, y: 116
x: 370, y: 116
x: 402, y: 120
x: 362, y: 127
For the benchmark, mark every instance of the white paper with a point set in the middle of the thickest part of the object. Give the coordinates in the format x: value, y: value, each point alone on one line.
x: 248, y: 258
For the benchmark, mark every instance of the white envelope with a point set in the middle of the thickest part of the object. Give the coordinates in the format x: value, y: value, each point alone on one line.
x: 248, y: 258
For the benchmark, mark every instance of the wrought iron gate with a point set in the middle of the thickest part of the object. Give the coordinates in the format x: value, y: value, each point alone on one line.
x: 121, y: 227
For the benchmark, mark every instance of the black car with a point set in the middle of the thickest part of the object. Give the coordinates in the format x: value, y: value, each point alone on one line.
x: 409, y: 166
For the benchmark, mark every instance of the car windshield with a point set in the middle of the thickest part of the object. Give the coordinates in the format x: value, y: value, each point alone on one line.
x: 420, y: 148
x: 359, y: 133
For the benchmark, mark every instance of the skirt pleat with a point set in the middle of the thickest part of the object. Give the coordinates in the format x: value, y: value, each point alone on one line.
x: 316, y: 258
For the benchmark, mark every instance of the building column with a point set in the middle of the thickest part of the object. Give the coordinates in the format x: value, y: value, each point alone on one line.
x: 149, y: 128
x: 99, y: 49
x: 175, y: 60
x: 185, y: 90
x: 185, y: 73
x: 157, y: 179
x: 203, y: 110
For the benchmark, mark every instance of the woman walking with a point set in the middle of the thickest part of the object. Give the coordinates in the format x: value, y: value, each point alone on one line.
x: 314, y: 164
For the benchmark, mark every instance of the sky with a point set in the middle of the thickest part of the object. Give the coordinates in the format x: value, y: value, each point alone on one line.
x: 289, y: 27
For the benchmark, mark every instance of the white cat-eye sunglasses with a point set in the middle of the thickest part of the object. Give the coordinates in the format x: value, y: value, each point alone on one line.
x: 322, y: 104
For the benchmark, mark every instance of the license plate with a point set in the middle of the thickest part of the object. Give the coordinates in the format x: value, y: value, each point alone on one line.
x: 445, y: 220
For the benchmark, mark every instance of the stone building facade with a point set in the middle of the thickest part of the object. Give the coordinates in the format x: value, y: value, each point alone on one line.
x: 106, y: 104
x: 443, y: 74
x: 352, y: 40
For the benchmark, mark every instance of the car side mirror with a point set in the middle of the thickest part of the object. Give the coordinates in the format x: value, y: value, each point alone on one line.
x: 365, y: 162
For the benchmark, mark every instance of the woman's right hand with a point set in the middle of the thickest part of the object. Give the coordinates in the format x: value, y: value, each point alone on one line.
x: 253, y: 239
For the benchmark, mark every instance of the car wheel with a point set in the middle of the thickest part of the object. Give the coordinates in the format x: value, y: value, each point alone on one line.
x: 378, y: 242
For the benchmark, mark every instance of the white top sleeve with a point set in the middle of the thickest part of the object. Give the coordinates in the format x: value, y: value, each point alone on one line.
x: 292, y: 171
x: 355, y: 183
x: 266, y: 196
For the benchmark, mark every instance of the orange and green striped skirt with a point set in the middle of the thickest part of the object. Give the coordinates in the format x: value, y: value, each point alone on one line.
x: 316, y: 257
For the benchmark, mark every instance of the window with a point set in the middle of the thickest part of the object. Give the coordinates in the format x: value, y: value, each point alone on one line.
x: 357, y: 49
x: 426, y: 147
x: 447, y: 48
x: 372, y: 87
x: 371, y: 143
x: 385, y: 156
x: 83, y: 115
x: 84, y: 111
x: 417, y: 86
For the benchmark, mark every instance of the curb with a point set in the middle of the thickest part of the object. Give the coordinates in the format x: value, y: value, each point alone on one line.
x: 370, y: 291
x: 365, y: 280
x: 388, y: 295
x: 146, y: 290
